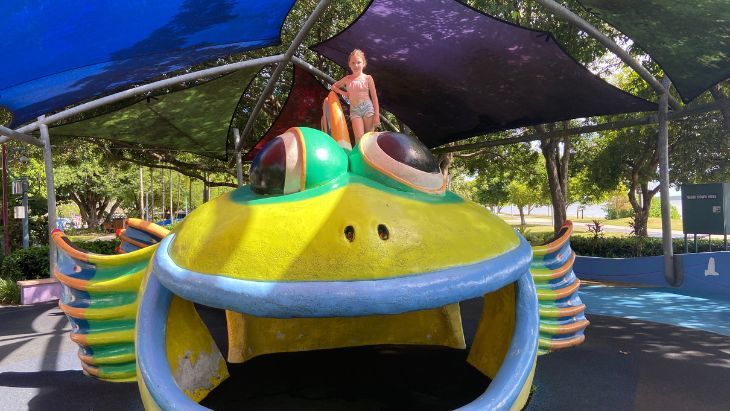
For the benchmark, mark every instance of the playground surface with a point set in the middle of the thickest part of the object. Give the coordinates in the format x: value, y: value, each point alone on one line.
x: 624, y: 364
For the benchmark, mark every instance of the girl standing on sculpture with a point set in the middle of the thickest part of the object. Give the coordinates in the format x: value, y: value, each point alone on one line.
x: 364, y: 107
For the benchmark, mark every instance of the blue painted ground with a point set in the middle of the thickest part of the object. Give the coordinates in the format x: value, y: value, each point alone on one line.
x: 661, y: 305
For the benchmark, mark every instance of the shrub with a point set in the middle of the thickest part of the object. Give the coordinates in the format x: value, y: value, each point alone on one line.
x: 9, y: 292
x: 25, y: 264
x: 538, y: 238
x: 627, y: 247
x: 98, y: 247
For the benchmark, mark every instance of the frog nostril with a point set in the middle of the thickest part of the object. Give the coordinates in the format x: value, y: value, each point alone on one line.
x: 350, y: 233
x: 383, y: 232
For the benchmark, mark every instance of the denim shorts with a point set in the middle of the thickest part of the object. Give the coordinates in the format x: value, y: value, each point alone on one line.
x: 362, y: 109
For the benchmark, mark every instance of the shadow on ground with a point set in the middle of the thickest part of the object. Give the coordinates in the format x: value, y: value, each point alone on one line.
x: 624, y: 364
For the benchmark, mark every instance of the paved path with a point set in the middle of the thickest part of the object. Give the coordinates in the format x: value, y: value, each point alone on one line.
x: 653, y: 232
x: 624, y: 364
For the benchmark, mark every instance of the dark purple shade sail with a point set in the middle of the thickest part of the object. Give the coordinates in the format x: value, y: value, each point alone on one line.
x: 451, y: 72
x: 303, y: 107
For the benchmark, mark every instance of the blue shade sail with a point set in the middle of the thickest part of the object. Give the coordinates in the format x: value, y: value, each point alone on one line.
x: 451, y: 72
x: 60, y: 52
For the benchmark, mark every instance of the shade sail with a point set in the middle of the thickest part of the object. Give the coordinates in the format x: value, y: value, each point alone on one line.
x: 690, y: 40
x: 196, y: 119
x: 303, y: 107
x: 451, y: 72
x: 60, y: 52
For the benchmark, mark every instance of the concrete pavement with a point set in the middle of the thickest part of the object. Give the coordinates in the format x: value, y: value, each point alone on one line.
x: 624, y: 364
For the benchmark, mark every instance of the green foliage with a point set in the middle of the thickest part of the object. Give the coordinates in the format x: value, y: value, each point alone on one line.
x: 626, y: 247
x: 99, y: 247
x: 617, y: 204
x: 9, y: 292
x: 656, y: 210
x: 522, y: 195
x: 25, y: 264
x: 539, y: 238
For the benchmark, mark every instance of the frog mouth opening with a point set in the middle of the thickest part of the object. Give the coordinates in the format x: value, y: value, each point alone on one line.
x: 324, y: 299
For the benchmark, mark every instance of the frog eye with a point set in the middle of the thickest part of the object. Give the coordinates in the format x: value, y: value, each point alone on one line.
x: 404, y: 159
x: 280, y: 166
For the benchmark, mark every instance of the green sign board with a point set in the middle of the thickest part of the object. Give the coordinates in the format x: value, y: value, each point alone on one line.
x: 706, y: 208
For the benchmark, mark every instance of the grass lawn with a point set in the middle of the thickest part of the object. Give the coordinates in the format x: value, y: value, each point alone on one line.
x: 86, y: 236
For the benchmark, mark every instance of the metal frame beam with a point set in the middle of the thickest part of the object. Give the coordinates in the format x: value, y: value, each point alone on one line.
x: 50, y: 189
x: 563, y: 11
x: 10, y: 134
x: 321, y: 6
x: 614, y: 125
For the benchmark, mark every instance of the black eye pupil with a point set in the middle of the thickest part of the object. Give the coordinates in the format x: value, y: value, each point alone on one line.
x: 408, y: 150
x: 268, y: 170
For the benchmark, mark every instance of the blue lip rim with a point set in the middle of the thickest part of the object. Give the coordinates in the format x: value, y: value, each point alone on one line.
x: 341, y: 298
x: 502, y: 392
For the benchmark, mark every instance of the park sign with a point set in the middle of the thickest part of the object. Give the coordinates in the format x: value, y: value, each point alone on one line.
x: 706, y: 208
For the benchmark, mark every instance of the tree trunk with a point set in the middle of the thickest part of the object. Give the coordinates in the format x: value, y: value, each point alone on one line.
x: 206, y: 189
x: 556, y: 165
x: 641, y: 209
x: 444, y: 164
x: 720, y: 97
x: 522, y: 216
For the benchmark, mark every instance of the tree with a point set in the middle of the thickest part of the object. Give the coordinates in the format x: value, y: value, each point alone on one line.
x: 85, y: 176
x: 523, y: 195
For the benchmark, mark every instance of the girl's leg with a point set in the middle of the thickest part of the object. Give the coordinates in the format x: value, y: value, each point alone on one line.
x: 368, y: 123
x: 357, y: 128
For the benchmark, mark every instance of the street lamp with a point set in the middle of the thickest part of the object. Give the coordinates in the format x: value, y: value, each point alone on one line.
x: 20, y: 187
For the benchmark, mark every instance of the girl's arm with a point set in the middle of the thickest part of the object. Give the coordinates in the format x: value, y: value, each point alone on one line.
x: 374, y: 98
x: 337, y: 87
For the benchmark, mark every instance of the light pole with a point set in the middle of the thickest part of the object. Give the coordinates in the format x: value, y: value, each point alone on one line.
x: 20, y: 187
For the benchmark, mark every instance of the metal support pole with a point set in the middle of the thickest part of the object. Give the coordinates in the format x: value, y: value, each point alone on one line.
x: 50, y: 188
x: 321, y: 6
x: 172, y: 212
x: 162, y: 192
x: 239, y: 157
x: 151, y: 201
x: 179, y: 188
x: 563, y: 11
x: 6, y: 234
x: 26, y: 226
x: 663, y: 146
x: 141, y: 194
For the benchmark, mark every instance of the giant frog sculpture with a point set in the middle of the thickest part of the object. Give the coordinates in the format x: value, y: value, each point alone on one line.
x: 325, y: 248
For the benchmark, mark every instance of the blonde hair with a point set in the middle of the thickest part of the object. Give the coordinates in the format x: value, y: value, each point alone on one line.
x: 358, y: 53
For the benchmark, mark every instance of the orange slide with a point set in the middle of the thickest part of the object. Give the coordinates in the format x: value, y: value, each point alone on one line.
x: 334, y: 122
